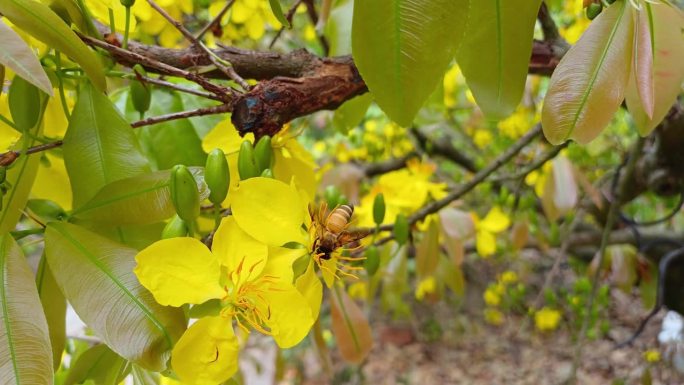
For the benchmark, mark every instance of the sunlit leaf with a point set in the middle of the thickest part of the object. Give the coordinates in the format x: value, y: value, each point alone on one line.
x: 427, y: 251
x: 42, y: 23
x: 350, y: 327
x: 99, y: 146
x: 96, y: 276
x: 668, y: 71
x: 25, y: 354
x: 642, y: 58
x: 496, y: 52
x: 54, y: 307
x: 589, y: 83
x: 278, y: 12
x: 403, y: 47
x: 18, y: 56
x: 98, y: 364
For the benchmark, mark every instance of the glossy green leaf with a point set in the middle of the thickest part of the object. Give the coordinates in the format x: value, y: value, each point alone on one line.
x: 54, y: 307
x: 278, y: 12
x: 350, y: 114
x: 17, y: 55
x: 96, y: 276
x: 668, y: 71
x: 338, y: 29
x: 496, y: 51
x: 42, y: 23
x: 403, y: 47
x: 139, y: 200
x: 589, y: 83
x: 98, y: 364
x: 25, y: 354
x: 100, y: 147
x: 71, y: 13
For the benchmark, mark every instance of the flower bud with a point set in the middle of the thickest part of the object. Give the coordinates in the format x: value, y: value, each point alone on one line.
x: 127, y: 3
x: 593, y: 10
x: 263, y: 153
x: 184, y: 193
x: 379, y: 209
x: 267, y: 173
x: 401, y: 229
x: 25, y: 104
x: 217, y: 176
x: 372, y: 261
x: 247, y: 167
x: 175, y: 228
x: 141, y: 97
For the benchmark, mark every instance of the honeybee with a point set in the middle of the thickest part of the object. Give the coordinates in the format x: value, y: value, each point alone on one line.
x: 332, y: 230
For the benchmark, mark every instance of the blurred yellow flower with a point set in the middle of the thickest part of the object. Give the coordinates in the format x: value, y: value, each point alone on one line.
x: 491, y: 297
x: 508, y: 277
x: 493, y: 316
x: 425, y: 287
x: 547, y: 319
x: 493, y: 223
x: 652, y: 356
x: 358, y: 290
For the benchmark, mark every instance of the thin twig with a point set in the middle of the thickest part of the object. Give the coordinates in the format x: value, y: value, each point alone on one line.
x: 220, y: 109
x: 619, y: 193
x: 180, y: 88
x: 313, y: 16
x: 9, y: 157
x: 222, y: 92
x: 538, y: 163
x: 218, y: 62
x: 216, y: 20
x: 288, y: 16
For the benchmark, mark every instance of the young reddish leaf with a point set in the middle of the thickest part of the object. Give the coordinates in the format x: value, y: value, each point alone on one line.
x: 589, y: 83
x: 642, y: 58
x: 427, y: 251
x: 350, y: 327
x: 25, y: 354
x: 668, y: 71
x: 566, y: 193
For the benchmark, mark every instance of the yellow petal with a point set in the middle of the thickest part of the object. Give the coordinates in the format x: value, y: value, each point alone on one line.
x: 485, y: 243
x: 312, y: 289
x: 207, y: 353
x: 495, y: 221
x: 52, y: 182
x: 280, y: 260
x: 299, y: 164
x: 269, y: 210
x: 329, y: 269
x: 291, y: 318
x: 179, y: 271
x: 233, y: 247
x: 224, y: 136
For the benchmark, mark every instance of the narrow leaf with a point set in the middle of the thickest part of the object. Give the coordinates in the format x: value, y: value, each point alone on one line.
x: 17, y: 55
x: 668, y: 71
x: 143, y: 199
x: 642, y: 58
x: 100, y: 147
x: 403, y: 47
x: 589, y: 83
x: 25, y: 354
x: 42, y: 23
x: 98, y: 364
x: 54, y: 307
x: 278, y: 12
x: 427, y: 251
x: 496, y: 52
x: 350, y: 327
x: 96, y: 276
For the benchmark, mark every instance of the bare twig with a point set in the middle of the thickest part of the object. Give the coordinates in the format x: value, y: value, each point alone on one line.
x: 311, y: 11
x: 443, y: 147
x: 180, y: 88
x: 216, y: 20
x: 538, y: 163
x: 220, y: 109
x: 9, y: 157
x: 373, y: 169
x: 288, y: 16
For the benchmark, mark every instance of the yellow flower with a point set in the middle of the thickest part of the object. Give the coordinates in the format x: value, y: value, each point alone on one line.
x: 652, y: 356
x: 358, y: 290
x: 491, y: 296
x: 508, y: 277
x: 493, y: 223
x: 425, y: 287
x: 253, y: 283
x: 493, y: 316
x: 547, y: 319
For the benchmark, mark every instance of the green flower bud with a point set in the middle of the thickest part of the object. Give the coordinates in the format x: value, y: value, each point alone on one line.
x: 217, y: 176
x: 267, y: 173
x: 25, y: 104
x: 593, y: 10
x: 372, y: 261
x: 379, y: 209
x: 175, y: 228
x: 263, y: 153
x: 46, y: 209
x: 401, y: 229
x: 247, y: 167
x: 141, y: 97
x: 184, y: 193
x: 127, y: 3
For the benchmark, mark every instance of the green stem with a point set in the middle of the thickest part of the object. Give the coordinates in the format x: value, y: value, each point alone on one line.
x: 7, y: 122
x: 112, y: 25
x: 124, y: 45
x: 217, y: 216
x: 62, y: 95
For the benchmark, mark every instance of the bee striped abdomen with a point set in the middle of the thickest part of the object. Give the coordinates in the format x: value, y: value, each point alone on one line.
x: 339, y: 218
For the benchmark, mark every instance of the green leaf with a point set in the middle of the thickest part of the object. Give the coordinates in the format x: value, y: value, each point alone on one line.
x: 100, y: 147
x: 54, y: 307
x: 42, y: 23
x: 17, y: 55
x: 668, y: 71
x: 589, y: 83
x: 96, y: 276
x: 98, y: 364
x: 278, y: 13
x: 350, y: 114
x: 143, y: 199
x: 496, y: 52
x: 25, y: 354
x: 338, y: 30
x: 427, y: 251
x: 403, y: 47
x: 26, y: 103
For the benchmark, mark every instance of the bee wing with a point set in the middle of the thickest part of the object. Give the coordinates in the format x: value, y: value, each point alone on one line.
x: 347, y: 237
